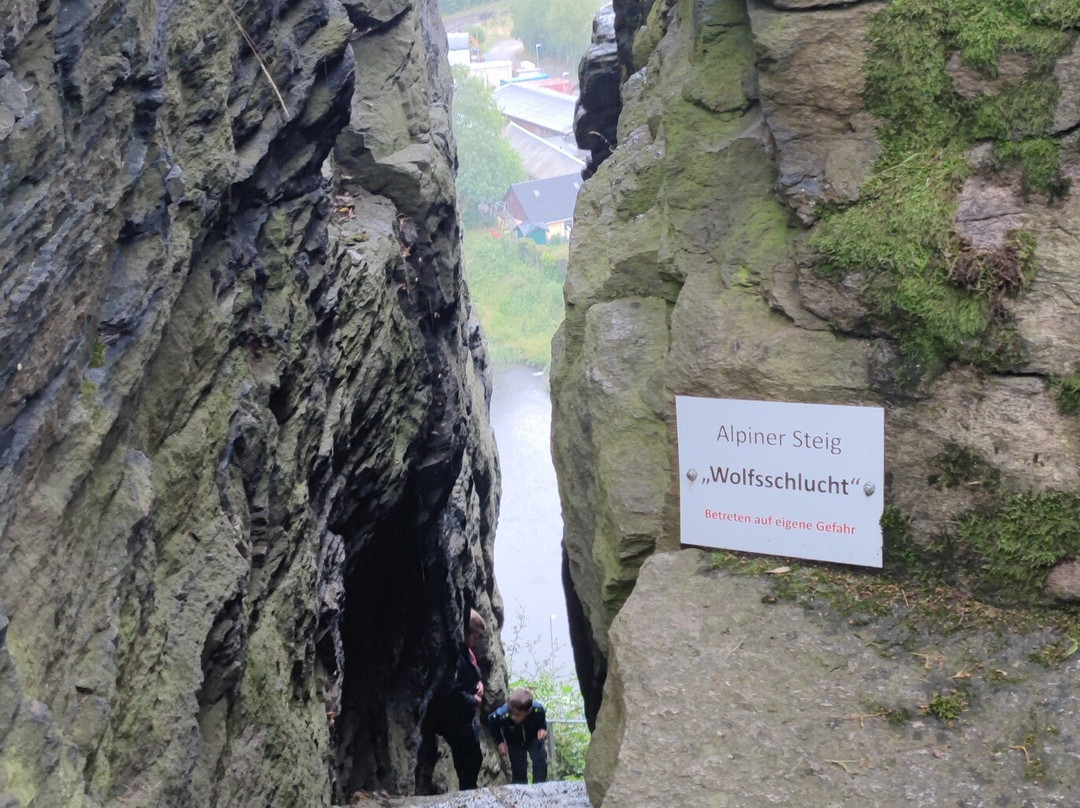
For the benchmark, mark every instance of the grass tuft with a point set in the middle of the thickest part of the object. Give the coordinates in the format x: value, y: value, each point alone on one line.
x: 1066, y: 391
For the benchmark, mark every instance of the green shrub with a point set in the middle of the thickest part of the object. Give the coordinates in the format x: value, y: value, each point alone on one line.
x: 516, y: 286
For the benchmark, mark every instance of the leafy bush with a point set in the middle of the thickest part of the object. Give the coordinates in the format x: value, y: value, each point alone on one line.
x: 516, y: 286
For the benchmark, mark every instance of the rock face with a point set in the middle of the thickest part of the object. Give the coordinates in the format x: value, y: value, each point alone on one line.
x: 778, y: 219
x: 247, y: 487
x: 736, y: 698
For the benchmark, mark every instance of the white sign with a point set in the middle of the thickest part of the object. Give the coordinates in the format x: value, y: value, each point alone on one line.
x: 798, y: 480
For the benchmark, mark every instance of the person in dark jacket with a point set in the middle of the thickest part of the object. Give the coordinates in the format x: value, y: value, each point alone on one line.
x: 458, y: 724
x: 520, y: 728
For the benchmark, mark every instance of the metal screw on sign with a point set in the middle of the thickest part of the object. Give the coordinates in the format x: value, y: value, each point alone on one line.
x: 691, y: 475
x: 869, y: 489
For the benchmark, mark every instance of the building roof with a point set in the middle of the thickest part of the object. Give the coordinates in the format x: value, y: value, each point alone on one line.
x: 539, y: 106
x: 550, y: 200
x: 543, y: 157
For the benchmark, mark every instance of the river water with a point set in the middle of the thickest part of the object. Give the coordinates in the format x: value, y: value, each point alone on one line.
x: 528, y: 540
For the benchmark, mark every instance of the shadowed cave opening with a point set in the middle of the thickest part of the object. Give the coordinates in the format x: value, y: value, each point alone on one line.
x: 388, y: 641
x: 400, y: 623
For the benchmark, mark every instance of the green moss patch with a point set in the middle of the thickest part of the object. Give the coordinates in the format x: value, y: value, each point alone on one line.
x: 97, y: 354
x: 1008, y: 551
x: 925, y: 284
x: 947, y: 706
x: 1066, y: 391
x: 1001, y: 550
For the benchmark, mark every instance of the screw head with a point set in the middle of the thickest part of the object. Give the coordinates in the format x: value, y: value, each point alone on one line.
x: 869, y: 489
x: 691, y: 475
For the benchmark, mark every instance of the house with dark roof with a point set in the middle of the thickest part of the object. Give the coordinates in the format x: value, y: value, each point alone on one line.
x: 542, y: 209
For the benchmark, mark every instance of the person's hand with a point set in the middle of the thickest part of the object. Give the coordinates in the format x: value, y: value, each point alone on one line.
x: 502, y: 748
x: 479, y: 691
x: 541, y: 734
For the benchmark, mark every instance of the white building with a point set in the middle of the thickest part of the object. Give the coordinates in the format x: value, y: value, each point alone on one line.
x: 459, y: 52
x: 494, y: 73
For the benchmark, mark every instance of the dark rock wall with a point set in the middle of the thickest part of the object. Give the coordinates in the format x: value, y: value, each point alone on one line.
x: 423, y: 553
x: 247, y: 487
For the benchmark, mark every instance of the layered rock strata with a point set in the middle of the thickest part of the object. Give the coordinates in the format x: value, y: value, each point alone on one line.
x: 740, y: 241
x: 247, y: 488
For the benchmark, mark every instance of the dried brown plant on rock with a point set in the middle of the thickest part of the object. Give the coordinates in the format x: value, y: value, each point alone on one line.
x: 996, y: 272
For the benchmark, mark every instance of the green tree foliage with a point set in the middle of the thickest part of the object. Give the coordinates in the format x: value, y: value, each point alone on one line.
x: 528, y: 16
x: 562, y: 28
x: 487, y: 163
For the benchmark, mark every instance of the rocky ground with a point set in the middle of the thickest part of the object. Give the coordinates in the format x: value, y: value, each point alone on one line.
x: 545, y: 795
x: 730, y: 689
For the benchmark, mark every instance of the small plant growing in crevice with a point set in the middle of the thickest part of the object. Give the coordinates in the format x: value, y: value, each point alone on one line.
x: 893, y: 716
x: 1034, y: 767
x: 1056, y: 652
x: 97, y: 354
x: 1031, y: 746
x: 998, y: 272
x: 960, y: 465
x: 1066, y: 392
x: 947, y: 706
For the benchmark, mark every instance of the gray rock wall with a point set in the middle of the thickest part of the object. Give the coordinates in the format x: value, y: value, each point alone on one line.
x: 720, y: 693
x: 247, y: 487
x: 734, y: 244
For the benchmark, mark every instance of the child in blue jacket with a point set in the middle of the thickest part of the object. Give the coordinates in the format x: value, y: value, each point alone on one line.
x: 520, y: 728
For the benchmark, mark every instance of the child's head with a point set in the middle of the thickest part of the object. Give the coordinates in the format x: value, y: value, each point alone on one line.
x: 477, y: 629
x: 520, y: 704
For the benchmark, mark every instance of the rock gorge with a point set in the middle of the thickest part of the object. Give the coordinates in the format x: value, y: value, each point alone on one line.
x: 248, y: 487
x: 248, y: 490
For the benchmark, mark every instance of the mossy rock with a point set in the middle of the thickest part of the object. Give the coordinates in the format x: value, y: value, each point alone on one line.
x: 903, y: 230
